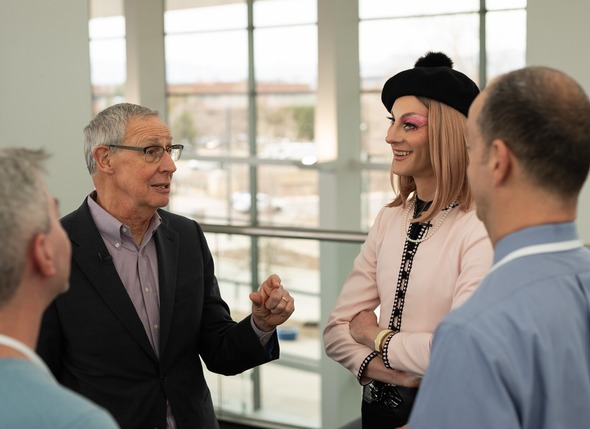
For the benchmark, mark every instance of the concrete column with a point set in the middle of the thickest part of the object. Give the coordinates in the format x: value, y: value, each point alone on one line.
x: 146, y: 70
x: 45, y: 98
x: 338, y: 140
x: 549, y: 31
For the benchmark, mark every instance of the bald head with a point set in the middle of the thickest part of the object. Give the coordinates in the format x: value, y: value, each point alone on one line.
x: 543, y: 115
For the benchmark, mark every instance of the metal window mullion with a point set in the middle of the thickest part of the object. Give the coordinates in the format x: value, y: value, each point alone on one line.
x: 483, y: 54
x: 252, y: 171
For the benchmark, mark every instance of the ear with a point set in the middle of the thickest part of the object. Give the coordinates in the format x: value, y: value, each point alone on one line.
x: 42, y: 256
x: 502, y: 161
x: 102, y: 156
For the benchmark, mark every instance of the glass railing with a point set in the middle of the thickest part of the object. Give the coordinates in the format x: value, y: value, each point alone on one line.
x: 245, y: 256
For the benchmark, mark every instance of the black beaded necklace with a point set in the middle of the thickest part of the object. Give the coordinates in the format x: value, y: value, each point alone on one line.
x: 416, y: 230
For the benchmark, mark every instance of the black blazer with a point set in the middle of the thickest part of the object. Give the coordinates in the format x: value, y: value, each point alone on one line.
x: 94, y: 342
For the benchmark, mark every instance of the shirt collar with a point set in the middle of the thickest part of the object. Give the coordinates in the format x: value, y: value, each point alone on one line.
x: 535, y: 235
x: 112, y: 229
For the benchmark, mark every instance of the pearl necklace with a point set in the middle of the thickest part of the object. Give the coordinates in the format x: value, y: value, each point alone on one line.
x: 431, y: 231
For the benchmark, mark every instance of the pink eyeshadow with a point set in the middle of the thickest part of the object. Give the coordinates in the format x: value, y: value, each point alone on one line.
x: 416, y: 119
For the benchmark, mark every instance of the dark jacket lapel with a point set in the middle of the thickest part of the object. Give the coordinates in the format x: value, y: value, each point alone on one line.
x: 90, y: 254
x: 167, y: 245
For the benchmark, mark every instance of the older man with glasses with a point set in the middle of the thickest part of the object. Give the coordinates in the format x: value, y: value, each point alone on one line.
x: 144, y: 303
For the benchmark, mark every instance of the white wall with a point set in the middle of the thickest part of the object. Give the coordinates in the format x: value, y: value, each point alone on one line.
x: 45, y: 88
x: 557, y: 36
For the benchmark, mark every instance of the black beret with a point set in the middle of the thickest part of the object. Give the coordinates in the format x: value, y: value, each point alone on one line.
x: 432, y: 77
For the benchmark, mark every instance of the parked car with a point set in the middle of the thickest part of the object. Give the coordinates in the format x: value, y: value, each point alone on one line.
x: 240, y: 202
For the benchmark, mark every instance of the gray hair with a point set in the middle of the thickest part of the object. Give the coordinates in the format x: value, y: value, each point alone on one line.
x: 108, y: 127
x: 23, y: 212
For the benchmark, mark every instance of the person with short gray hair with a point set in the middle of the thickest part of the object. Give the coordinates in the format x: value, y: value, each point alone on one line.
x: 144, y: 306
x: 34, y: 269
x: 108, y: 127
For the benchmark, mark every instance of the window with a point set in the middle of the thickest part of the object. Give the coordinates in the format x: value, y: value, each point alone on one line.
x: 505, y: 36
x: 268, y: 74
x: 241, y: 83
x: 392, y: 38
x: 107, y: 53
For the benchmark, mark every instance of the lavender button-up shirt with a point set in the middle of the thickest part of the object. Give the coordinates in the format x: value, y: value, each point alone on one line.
x: 137, y: 267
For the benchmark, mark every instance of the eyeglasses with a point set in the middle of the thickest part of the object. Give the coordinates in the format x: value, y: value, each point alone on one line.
x: 154, y: 153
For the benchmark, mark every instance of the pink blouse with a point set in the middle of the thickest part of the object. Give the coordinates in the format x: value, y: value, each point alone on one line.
x: 446, y: 269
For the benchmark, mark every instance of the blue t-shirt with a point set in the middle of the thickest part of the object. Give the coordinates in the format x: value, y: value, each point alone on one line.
x: 31, y: 399
x: 517, y: 353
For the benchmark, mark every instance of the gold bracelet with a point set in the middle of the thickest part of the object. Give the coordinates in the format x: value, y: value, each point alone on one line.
x: 380, y: 339
x: 385, y: 339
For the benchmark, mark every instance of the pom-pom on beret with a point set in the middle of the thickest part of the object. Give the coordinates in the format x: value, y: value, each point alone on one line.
x: 432, y: 77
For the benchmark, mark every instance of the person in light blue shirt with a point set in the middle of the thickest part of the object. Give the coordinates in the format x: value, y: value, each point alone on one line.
x: 517, y: 353
x: 30, y: 399
x: 34, y: 269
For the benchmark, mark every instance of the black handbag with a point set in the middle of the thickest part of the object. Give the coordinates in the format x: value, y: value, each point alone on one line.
x: 386, y: 406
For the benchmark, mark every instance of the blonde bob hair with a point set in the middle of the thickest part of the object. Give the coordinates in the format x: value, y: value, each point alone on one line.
x: 448, y: 157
